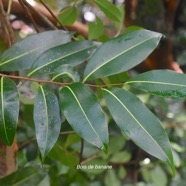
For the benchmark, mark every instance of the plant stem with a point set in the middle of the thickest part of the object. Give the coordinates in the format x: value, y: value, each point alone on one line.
x: 56, y: 83
x: 81, y: 151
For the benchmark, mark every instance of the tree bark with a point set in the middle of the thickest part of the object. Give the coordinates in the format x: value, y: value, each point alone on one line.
x: 7, y: 159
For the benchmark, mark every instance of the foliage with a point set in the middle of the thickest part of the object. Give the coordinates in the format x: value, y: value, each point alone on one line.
x: 78, y: 98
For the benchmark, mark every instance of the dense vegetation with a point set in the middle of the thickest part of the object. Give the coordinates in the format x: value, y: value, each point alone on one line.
x: 80, y: 107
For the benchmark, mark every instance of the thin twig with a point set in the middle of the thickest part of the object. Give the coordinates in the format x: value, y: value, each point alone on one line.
x: 25, y: 7
x: 55, y: 18
x: 81, y: 151
x: 56, y: 83
x: 24, y: 144
x: 9, y: 7
x: 44, y: 18
x: 89, y: 159
x: 6, y: 26
x: 52, y: 14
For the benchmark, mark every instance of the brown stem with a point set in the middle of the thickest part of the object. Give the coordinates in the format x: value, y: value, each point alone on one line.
x: 51, y: 13
x: 39, y: 12
x: 25, y: 7
x: 8, y: 34
x: 89, y: 159
x: 56, y: 83
x: 24, y: 144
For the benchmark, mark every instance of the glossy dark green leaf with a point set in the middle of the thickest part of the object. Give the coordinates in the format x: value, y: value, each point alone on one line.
x: 136, y: 120
x: 66, y: 71
x: 96, y: 29
x: 83, y: 112
x: 121, y: 54
x: 110, y: 10
x: 23, y: 53
x: 24, y: 176
x: 9, y: 110
x: 164, y: 83
x: 47, y: 120
x: 68, y: 15
x: 72, y: 53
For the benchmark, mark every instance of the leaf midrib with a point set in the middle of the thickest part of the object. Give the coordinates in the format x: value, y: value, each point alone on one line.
x: 156, y: 82
x: 108, y: 10
x: 136, y: 121
x: 2, y: 103
x: 63, y: 73
x: 125, y: 51
x: 46, y: 112
x: 53, y: 61
x: 83, y: 111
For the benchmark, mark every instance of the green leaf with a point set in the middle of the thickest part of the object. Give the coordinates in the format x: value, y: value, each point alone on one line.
x: 139, y: 124
x: 110, y: 10
x: 66, y: 71
x: 24, y: 176
x: 111, y: 178
x: 47, y: 120
x: 83, y: 112
x: 165, y: 83
x: 121, y: 54
x: 159, y: 176
x: 68, y: 15
x: 23, y: 53
x: 96, y: 29
x: 67, y: 158
x: 120, y: 157
x: 72, y: 53
x: 9, y: 110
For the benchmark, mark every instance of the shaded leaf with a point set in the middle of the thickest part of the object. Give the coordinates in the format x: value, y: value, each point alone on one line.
x: 72, y: 53
x: 23, y: 53
x: 164, y: 83
x: 121, y: 54
x: 9, y: 110
x: 120, y: 157
x: 83, y: 112
x: 47, y: 120
x: 110, y: 10
x: 96, y: 29
x: 24, y: 176
x: 66, y: 71
x: 159, y: 176
x: 111, y: 178
x: 60, y: 154
x: 68, y: 15
x: 136, y: 120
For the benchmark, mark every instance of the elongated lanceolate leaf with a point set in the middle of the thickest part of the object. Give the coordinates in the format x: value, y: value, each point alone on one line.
x: 109, y: 9
x: 9, y: 110
x: 47, y: 120
x: 136, y: 120
x: 72, y: 53
x: 22, y: 54
x: 66, y: 71
x: 24, y: 176
x: 83, y: 112
x: 121, y: 53
x: 164, y: 83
